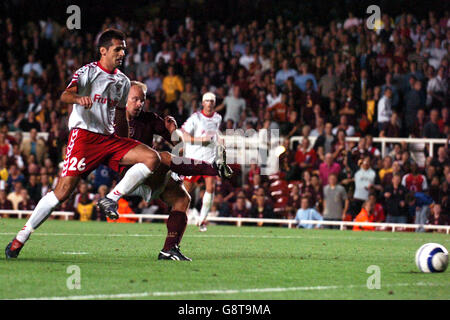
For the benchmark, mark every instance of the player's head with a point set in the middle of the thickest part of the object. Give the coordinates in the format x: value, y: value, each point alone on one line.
x: 208, y: 103
x: 136, y: 98
x: 111, y: 46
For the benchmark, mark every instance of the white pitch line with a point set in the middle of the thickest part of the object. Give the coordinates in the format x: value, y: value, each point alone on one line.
x: 349, y: 238
x: 216, y: 292
x: 75, y: 253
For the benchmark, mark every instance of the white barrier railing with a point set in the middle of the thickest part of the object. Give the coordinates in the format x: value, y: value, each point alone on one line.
x: 21, y: 213
x: 289, y: 222
x: 383, y: 141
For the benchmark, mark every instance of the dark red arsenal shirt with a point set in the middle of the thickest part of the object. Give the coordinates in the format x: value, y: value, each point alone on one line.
x: 143, y: 127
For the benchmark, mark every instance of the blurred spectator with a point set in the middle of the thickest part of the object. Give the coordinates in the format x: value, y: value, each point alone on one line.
x: 306, y: 157
x: 392, y: 129
x: 377, y: 208
x: 240, y: 210
x: 33, y: 145
x: 436, y: 218
x: 419, y: 207
x: 261, y: 207
x: 26, y: 203
x: 34, y: 188
x: 172, y: 85
x: 307, y: 213
x: 5, y: 204
x: 335, y: 201
x: 234, y: 106
x: 303, y: 76
x: 222, y: 206
x: 5, y: 147
x: 328, y: 82
x: 32, y: 65
x: 419, y: 124
x: 343, y: 124
x: 14, y: 175
x: 284, y: 73
x: 386, y: 172
x: 103, y: 175
x: 437, y: 90
x: 85, y: 208
x: 365, y: 180
x: 83, y: 189
x: 153, y: 81
x: 415, y: 181
x: 384, y: 109
x: 16, y: 196
x: 441, y: 160
x: 414, y: 100
x: 273, y: 97
x: 329, y: 166
x: 431, y: 128
x: 365, y: 215
x: 395, y: 201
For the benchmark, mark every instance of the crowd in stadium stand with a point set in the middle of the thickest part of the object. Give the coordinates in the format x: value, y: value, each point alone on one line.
x: 322, y: 82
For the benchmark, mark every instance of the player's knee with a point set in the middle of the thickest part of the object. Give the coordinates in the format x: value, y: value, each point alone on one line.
x: 152, y: 160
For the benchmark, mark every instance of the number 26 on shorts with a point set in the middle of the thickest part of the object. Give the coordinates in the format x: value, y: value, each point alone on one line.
x: 74, y: 164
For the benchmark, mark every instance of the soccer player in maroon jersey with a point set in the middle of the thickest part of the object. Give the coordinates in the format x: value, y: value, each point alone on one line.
x: 164, y: 184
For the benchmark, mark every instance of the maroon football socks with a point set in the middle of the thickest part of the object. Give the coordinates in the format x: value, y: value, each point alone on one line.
x: 176, y: 225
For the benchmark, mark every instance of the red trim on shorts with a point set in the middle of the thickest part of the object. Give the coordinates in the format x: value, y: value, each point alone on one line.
x: 70, y: 145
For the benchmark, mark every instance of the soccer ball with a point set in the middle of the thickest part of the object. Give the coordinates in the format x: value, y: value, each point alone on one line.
x: 432, y: 257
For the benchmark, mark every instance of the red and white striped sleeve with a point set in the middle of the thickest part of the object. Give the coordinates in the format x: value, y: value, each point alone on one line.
x: 80, y: 77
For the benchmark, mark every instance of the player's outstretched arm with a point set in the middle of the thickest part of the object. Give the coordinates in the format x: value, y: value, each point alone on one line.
x: 70, y: 96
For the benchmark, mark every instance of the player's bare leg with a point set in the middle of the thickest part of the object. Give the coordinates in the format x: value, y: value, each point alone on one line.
x: 176, y: 196
x: 145, y: 161
x: 43, y: 210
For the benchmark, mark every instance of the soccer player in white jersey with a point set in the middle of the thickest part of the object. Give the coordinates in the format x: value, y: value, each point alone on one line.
x: 97, y: 91
x: 200, y: 132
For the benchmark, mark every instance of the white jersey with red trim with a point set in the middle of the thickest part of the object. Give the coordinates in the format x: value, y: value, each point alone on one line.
x: 199, y: 125
x: 107, y: 90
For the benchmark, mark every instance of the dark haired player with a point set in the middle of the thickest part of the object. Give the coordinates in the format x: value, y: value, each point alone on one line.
x: 165, y: 183
x: 97, y: 91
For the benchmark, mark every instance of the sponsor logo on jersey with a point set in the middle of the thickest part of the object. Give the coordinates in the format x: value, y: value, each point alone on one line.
x: 110, y: 102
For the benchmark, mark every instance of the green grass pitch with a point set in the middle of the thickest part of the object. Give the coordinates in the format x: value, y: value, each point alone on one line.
x: 119, y: 261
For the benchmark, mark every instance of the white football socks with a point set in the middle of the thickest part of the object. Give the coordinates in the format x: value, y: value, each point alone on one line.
x: 42, y: 211
x: 135, y: 176
x: 206, y: 205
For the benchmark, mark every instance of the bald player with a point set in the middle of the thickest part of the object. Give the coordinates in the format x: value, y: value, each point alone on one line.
x: 165, y: 182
